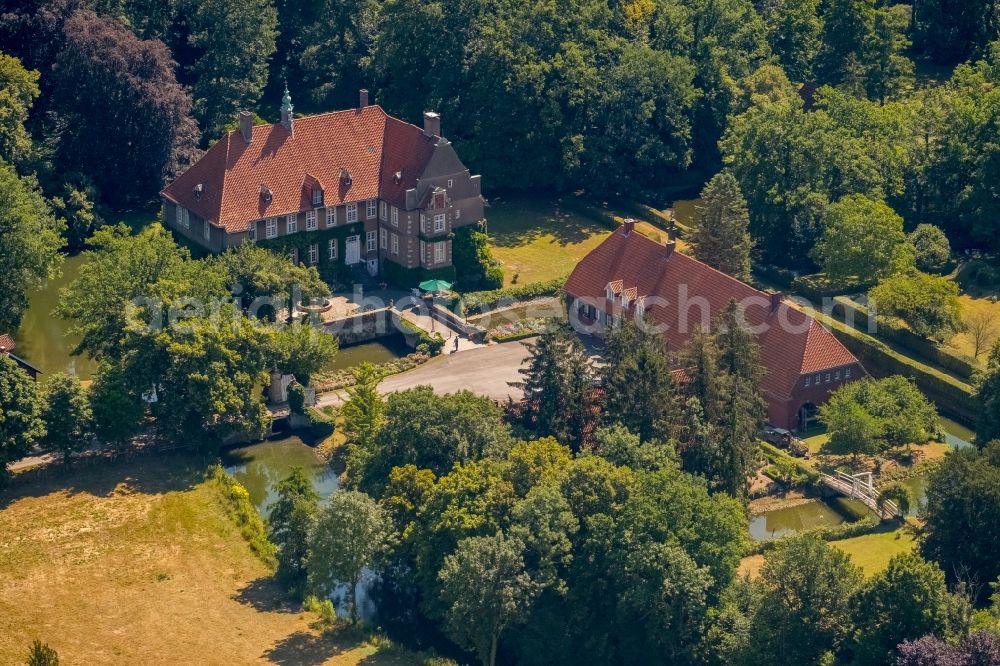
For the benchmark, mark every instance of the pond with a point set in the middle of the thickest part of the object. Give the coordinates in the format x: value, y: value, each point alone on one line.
x: 42, y: 339
x: 956, y: 435
x: 382, y: 350
x: 260, y: 466
x: 805, y: 516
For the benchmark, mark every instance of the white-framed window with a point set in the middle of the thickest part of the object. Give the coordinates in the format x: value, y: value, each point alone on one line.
x: 817, y: 379
x: 423, y: 223
x: 183, y: 217
x: 451, y: 183
x: 828, y: 378
x: 609, y: 319
x: 439, y: 223
x: 372, y: 239
x: 383, y: 240
x: 331, y: 249
x: 271, y: 228
x: 352, y: 213
x: 395, y: 243
x: 458, y: 213
x: 293, y: 256
x: 395, y: 216
x: 383, y: 211
x: 808, y: 380
x: 291, y: 223
x: 440, y: 252
x: 208, y: 231
x: 311, y: 220
x: 847, y: 373
x: 314, y: 254
x: 836, y: 375
x: 252, y: 231
x: 372, y: 206
x: 317, y: 197
x: 331, y: 216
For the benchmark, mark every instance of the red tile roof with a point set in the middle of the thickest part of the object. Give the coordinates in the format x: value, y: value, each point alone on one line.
x: 370, y: 144
x: 6, y: 343
x: 792, y: 343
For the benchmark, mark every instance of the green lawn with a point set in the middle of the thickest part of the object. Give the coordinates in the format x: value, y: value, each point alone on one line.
x: 537, y: 239
x: 872, y: 552
x: 964, y: 343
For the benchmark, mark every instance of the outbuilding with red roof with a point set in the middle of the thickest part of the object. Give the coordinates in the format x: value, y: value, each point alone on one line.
x: 630, y: 274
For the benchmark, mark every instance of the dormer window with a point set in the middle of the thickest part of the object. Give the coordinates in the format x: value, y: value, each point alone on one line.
x: 624, y: 300
x: 199, y: 190
x: 640, y: 307
x: 345, y: 177
x: 610, y: 292
x: 265, y: 194
x: 317, y: 197
x: 397, y: 177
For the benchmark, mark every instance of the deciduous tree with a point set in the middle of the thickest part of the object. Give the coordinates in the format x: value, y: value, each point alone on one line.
x: 21, y: 424
x: 29, y: 244
x: 485, y: 588
x: 862, y: 241
x: 106, y: 77
x: 928, y: 304
x: 231, y: 67
x: 805, y: 610
x: 962, y: 515
x: 905, y: 601
x: 352, y: 531
x: 67, y: 415
x: 18, y: 90
x: 290, y: 523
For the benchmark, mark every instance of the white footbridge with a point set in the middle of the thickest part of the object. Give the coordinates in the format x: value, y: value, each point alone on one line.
x: 861, y: 487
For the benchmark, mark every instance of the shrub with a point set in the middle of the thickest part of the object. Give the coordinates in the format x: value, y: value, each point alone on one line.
x: 244, y: 514
x: 479, y: 302
x: 932, y: 247
x: 296, y: 398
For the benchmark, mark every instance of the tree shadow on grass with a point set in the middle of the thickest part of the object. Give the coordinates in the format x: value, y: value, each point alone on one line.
x: 101, y: 476
x: 522, y: 221
x: 265, y: 595
x: 303, y: 648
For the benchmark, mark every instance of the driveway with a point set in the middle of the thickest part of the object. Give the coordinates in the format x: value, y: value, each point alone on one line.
x: 485, y: 371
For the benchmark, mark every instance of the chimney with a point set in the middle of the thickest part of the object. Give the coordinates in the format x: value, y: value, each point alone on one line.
x: 629, y: 226
x: 775, y: 300
x: 363, y: 98
x: 432, y: 124
x: 246, y: 126
x: 671, y: 246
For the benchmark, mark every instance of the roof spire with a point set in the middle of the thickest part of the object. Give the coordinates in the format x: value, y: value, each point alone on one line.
x: 287, y: 120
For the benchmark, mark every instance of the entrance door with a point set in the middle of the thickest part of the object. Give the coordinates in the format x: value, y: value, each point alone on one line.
x: 352, y: 254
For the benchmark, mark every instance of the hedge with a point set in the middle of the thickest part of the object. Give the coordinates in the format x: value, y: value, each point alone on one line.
x: 401, y: 276
x: 867, y: 525
x: 962, y: 366
x: 432, y: 343
x: 478, y: 302
x: 774, y: 454
x: 818, y: 286
x: 953, y: 396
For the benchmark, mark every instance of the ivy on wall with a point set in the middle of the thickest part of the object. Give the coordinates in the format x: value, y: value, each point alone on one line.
x: 331, y: 270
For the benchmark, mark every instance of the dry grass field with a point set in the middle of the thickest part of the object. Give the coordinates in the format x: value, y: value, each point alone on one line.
x: 137, y: 563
